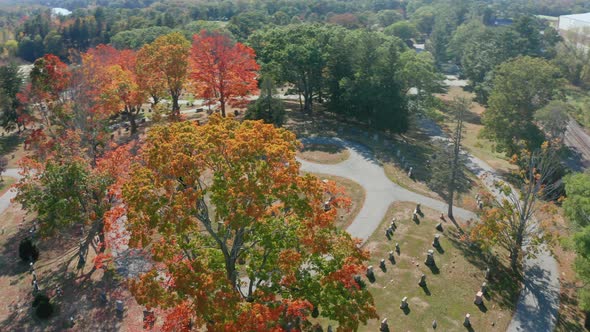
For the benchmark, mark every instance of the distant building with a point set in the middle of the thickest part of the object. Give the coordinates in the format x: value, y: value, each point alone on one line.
x: 578, y: 23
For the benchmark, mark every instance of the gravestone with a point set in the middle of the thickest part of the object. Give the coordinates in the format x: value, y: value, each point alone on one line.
x: 484, y: 287
x: 393, y: 225
x: 410, y: 172
x: 357, y: 279
x: 422, y: 281
x: 430, y: 258
x: 434, y: 324
x: 119, y: 306
x: 488, y: 273
x: 478, y: 298
x: 397, y: 248
x: 387, y: 234
x: 384, y: 327
x: 382, y: 264
x: 370, y: 273
x: 103, y: 297
x: 439, y: 227
x: 415, y: 217
x: 391, y: 257
x: 418, y: 210
x: 35, y: 286
x: 404, y: 304
x: 391, y: 230
x: 436, y: 242
x: 467, y: 321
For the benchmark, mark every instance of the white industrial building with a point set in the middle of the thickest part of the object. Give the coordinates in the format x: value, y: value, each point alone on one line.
x: 578, y: 23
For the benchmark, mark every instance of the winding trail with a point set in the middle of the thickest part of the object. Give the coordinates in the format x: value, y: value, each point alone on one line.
x: 10, y: 194
x: 538, y: 302
x: 363, y: 168
x: 537, y: 307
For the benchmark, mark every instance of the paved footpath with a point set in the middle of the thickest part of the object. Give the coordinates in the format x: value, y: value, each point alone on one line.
x: 9, y: 195
x: 364, y: 169
x: 538, y: 303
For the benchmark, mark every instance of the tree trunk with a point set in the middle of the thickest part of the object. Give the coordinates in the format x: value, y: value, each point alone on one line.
x: 222, y: 102
x: 175, y: 106
x: 155, y: 100
x: 456, y: 156
x: 450, y: 202
x: 132, y: 122
x: 514, y: 253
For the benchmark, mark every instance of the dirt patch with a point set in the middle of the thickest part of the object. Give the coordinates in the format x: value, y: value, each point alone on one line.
x: 58, y: 267
x: 324, y: 153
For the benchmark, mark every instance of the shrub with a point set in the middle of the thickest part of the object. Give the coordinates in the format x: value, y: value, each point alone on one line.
x: 27, y: 250
x: 42, y: 305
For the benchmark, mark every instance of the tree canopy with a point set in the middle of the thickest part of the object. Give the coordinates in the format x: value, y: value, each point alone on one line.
x: 239, y: 238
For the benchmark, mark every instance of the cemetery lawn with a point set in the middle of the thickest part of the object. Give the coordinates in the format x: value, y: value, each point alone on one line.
x: 480, y: 147
x: 323, y: 153
x: 451, y: 288
x: 352, y: 190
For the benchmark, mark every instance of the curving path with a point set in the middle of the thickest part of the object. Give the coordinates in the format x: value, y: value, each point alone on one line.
x: 538, y: 303
x: 537, y: 307
x: 10, y: 194
x: 364, y: 169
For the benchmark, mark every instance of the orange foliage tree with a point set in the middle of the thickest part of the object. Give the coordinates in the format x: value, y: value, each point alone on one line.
x: 71, y: 164
x: 223, y: 69
x: 113, y: 75
x: 511, y: 218
x: 166, y: 59
x: 240, y: 240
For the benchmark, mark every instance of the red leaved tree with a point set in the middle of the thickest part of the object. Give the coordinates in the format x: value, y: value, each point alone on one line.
x: 222, y: 69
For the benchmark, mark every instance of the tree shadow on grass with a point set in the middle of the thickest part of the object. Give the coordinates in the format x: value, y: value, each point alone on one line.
x: 327, y: 148
x: 9, y: 143
x: 10, y: 262
x: 504, y: 284
x: 81, y: 300
x: 567, y: 312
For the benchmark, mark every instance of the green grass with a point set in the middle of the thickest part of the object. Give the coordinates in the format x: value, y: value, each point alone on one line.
x: 324, y: 153
x: 580, y: 100
x: 450, y: 290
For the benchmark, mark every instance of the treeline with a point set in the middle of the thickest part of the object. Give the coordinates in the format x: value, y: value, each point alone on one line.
x: 360, y: 74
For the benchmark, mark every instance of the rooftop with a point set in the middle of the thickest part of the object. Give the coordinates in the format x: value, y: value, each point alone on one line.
x: 578, y: 17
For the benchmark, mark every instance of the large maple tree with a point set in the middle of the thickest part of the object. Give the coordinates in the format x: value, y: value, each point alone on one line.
x: 223, y: 70
x: 241, y: 241
x: 166, y: 59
